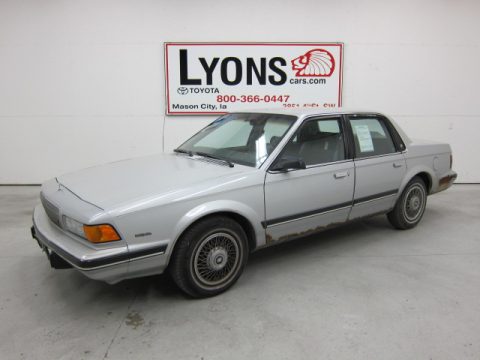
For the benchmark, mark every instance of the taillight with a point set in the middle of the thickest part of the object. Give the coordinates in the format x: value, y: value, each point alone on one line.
x: 451, y: 161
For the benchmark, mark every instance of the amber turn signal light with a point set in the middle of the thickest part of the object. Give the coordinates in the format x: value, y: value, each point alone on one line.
x: 100, y: 233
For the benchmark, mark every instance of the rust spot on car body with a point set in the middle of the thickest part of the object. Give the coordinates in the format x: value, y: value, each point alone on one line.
x: 292, y: 236
x: 269, y: 239
x: 446, y: 181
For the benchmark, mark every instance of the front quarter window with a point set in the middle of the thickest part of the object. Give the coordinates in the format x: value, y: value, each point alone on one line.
x: 246, y: 139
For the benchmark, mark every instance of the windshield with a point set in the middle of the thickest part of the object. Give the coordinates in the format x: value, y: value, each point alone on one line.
x: 245, y: 139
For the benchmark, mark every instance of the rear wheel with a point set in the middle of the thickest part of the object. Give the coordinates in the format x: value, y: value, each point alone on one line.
x: 209, y: 257
x: 409, y: 209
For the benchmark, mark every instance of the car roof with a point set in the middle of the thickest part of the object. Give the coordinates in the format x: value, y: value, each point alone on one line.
x: 301, y: 112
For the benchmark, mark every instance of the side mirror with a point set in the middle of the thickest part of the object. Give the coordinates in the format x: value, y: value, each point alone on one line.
x: 285, y: 165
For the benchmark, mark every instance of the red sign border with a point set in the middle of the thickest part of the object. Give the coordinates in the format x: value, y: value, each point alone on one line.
x: 167, y: 84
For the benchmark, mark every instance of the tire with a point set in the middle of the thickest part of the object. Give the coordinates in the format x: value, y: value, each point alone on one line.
x: 209, y: 257
x: 410, y: 206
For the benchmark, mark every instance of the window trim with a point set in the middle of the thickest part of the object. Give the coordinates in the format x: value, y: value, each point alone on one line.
x: 392, y: 132
x: 328, y: 163
x: 397, y: 139
x: 343, y: 131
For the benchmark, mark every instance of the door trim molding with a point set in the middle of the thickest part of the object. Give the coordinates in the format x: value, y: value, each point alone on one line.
x: 307, y: 214
x: 373, y: 197
x: 304, y: 215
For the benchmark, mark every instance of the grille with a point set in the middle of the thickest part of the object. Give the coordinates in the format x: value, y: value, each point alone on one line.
x: 51, y: 210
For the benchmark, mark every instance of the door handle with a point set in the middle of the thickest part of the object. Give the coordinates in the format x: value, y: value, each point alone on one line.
x: 340, y: 175
x: 397, y: 164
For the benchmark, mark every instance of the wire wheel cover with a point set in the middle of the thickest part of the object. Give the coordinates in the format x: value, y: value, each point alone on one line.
x: 414, y: 203
x: 216, y: 259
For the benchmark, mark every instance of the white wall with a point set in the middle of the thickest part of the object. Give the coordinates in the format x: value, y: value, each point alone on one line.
x: 81, y: 82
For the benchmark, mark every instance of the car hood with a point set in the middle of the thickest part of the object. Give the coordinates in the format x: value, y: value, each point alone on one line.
x: 121, y: 182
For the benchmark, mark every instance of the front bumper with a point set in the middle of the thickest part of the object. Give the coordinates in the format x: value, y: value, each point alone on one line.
x: 109, y: 264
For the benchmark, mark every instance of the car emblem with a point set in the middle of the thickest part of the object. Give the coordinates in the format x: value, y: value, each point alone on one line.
x: 182, y: 90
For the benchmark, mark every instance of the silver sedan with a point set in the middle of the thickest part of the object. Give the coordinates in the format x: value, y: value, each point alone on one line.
x: 244, y: 182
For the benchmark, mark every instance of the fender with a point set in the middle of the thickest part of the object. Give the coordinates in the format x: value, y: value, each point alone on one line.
x: 412, y: 172
x: 217, y: 206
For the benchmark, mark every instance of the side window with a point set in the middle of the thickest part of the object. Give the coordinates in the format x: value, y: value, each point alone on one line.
x: 371, y: 137
x: 317, y: 142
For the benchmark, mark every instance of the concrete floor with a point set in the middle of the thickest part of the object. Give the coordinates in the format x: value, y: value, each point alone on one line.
x: 364, y: 291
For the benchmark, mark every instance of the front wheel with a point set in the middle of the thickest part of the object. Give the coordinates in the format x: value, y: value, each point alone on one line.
x: 209, y: 257
x: 409, y: 209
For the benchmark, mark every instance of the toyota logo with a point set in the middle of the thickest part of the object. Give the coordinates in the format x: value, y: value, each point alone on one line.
x: 182, y: 90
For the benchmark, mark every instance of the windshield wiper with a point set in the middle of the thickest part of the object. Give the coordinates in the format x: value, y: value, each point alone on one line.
x: 230, y: 164
x: 181, y: 151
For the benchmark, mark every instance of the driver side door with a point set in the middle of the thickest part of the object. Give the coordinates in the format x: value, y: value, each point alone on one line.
x: 304, y: 201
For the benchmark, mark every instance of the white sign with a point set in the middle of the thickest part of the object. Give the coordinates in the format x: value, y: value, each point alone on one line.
x: 364, y: 138
x: 214, y: 78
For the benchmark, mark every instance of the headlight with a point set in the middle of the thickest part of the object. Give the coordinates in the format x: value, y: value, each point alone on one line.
x: 93, y: 233
x: 73, y: 226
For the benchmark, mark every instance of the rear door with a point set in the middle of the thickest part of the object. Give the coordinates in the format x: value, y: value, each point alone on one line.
x: 300, y: 202
x: 379, y: 164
